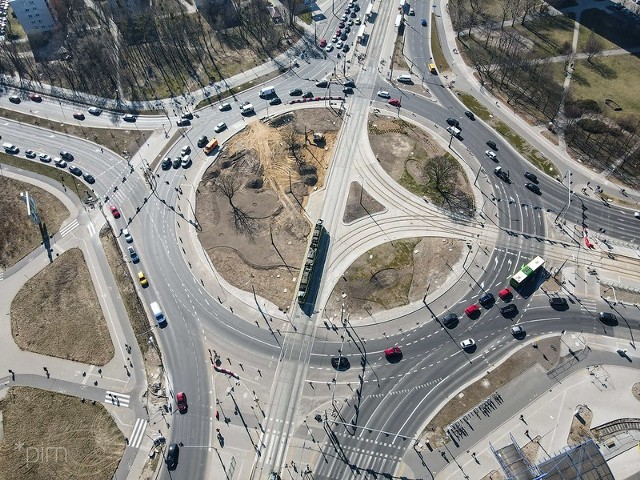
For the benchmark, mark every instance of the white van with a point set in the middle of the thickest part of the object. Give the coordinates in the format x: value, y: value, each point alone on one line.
x: 453, y: 131
x: 267, y: 92
x: 406, y: 78
x: 157, y: 313
x: 10, y: 148
x: 246, y: 108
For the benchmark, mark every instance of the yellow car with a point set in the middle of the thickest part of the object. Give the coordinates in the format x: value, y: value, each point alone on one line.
x: 143, y: 279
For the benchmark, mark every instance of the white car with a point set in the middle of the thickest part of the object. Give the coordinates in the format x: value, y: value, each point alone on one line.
x: 491, y: 154
x: 468, y: 343
x: 44, y: 158
x: 95, y: 111
x: 636, y: 214
x: 328, y: 48
x: 127, y: 236
x: 339, y: 45
x: 224, y: 107
x: 517, y: 330
x: 60, y: 163
x: 186, y: 150
x: 186, y: 161
x: 384, y: 94
x: 220, y: 127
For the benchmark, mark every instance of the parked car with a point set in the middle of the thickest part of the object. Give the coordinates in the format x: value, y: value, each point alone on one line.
x: 89, y: 178
x: 78, y: 115
x: 75, y: 170
x: 220, y: 127
x: 143, y: 280
x: 133, y: 254
x: 30, y: 154
x: 181, y: 400
x: 126, y: 235
x: 224, y: 107
x: 60, y: 163
x: 202, y: 141
x: 171, y: 459
x: 177, y: 162
x: 395, y: 102
x: 66, y: 155
x: 468, y: 344
x: 323, y: 43
x: 328, y: 48
x: 491, y: 155
x: 44, y: 158
x: 346, y: 48
x: 472, y: 310
x: 114, y: 211
x: 166, y: 163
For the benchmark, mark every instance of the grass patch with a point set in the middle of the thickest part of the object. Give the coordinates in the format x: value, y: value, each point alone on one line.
x: 475, y: 106
x: 612, y: 78
x: 51, y: 436
x: 306, y: 16
x: 549, y: 34
x: 399, y: 62
x: 436, y: 48
x: 583, y: 36
x: 18, y: 234
x: 115, y: 139
x: 57, y: 313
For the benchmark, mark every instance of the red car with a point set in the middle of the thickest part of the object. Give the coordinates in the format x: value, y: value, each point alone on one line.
x: 114, y: 211
x: 395, y: 102
x: 78, y: 116
x: 36, y: 98
x: 338, y: 32
x: 181, y: 400
x: 392, y: 351
x: 504, y: 294
x: 323, y: 43
x: 472, y: 310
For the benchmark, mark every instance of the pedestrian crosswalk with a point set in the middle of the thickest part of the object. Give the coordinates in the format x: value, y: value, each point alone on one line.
x: 138, y: 433
x: 69, y: 228
x: 117, y: 399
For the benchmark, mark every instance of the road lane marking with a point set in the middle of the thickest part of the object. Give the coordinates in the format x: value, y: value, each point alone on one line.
x: 137, y: 435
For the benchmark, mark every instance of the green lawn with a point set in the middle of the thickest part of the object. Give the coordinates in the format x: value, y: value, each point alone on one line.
x: 436, y: 48
x: 613, y: 77
x: 548, y: 34
x: 584, y: 35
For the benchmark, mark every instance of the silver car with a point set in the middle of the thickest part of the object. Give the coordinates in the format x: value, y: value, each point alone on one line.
x: 468, y: 343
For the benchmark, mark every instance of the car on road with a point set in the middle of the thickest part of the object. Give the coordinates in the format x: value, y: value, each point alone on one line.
x: 95, y: 110
x: 395, y: 102
x: 66, y: 155
x: 339, y: 45
x: 509, y: 310
x: 166, y: 163
x: 129, y: 117
x: 186, y: 150
x: 202, y: 141
x: 450, y: 319
x: 491, y: 155
x: 607, y: 317
x: 143, y: 280
x: 127, y: 236
x: 296, y: 92
x: 133, y: 254
x: 36, y: 98
x: 30, y: 154
x: 308, y: 95
x: 487, y: 300
x: 349, y: 83
x: 181, y: 400
x: 492, y: 144
x: 347, y: 91
x: 358, y: 21
x: 323, y: 43
x: 533, y: 187
x: 75, y: 170
x: 346, y: 48
x: 88, y: 178
x: 531, y: 176
x: 347, y: 29
x: 517, y: 331
x: 350, y: 22
x: 340, y: 363
x: 177, y: 162
x: 78, y: 115
x: 224, y: 107
x: 329, y: 48
x: 14, y: 99
x: 220, y: 127
x: 558, y: 303
x: 171, y: 459
x: 383, y: 94
x: 412, y: 12
x: 470, y: 115
x: 183, y: 122
x: 344, y: 17
x: 275, y: 101
x: 468, y: 343
x: 341, y: 25
x: 187, y: 116
x: 186, y: 161
x: 44, y: 158
x: 636, y: 214
x: 344, y: 37
x: 472, y: 310
x: 114, y: 211
x: 393, y: 352
x: 60, y: 163
x: 453, y: 122
x: 423, y: 22
x: 504, y: 294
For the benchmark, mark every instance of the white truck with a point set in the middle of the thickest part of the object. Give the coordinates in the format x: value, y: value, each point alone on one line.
x: 157, y: 313
x: 454, y: 131
x: 246, y: 108
x: 266, y: 92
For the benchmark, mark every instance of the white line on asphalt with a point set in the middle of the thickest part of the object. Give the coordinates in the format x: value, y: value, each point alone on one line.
x: 118, y: 399
x: 68, y: 228
x: 138, y: 433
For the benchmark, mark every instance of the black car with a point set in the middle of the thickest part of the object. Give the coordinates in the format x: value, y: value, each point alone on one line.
x: 423, y: 22
x: 487, y: 300
x: 322, y: 84
x: 188, y: 116
x: 202, y: 141
x: 453, y: 122
x: 177, y: 162
x: 183, y: 122
x: 344, y: 37
x: 308, y: 95
x: 607, y: 317
x: 75, y: 170
x: 89, y: 178
x: 129, y: 117
x: 509, y: 310
x: 531, y: 177
x: 347, y: 91
x: 558, y: 303
x: 533, y: 187
x: 275, y: 101
x: 492, y: 144
x: 349, y: 83
x: 340, y: 363
x: 346, y: 48
x: 171, y: 459
x: 14, y: 99
x: 296, y: 92
x: 166, y: 163
x: 66, y: 155
x: 450, y: 320
x: 470, y: 115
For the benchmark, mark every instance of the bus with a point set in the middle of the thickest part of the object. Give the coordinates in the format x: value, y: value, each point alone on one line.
x: 526, y: 272
x: 213, y: 143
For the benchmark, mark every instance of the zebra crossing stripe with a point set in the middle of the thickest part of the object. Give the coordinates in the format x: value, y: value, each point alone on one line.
x: 68, y: 228
x: 138, y: 433
x: 117, y: 399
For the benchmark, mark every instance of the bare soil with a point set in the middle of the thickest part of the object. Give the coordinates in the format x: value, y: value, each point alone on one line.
x: 407, y: 154
x: 621, y: 295
x: 116, y: 139
x: 580, y: 431
x: 360, y: 204
x: 256, y: 233
x: 57, y: 313
x: 51, y: 436
x: 546, y: 355
x: 18, y: 234
x: 392, y: 275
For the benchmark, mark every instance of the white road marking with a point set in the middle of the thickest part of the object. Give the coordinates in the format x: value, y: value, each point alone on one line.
x: 138, y: 433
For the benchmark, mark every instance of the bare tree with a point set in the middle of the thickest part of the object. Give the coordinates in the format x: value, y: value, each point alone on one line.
x: 229, y: 184
x: 441, y: 173
x: 593, y: 46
